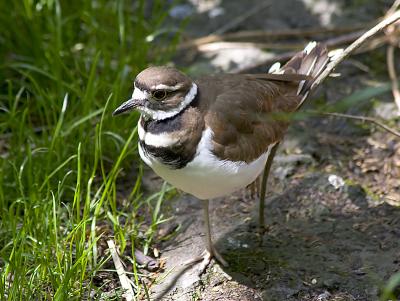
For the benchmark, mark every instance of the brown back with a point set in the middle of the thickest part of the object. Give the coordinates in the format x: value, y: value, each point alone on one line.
x: 247, y: 112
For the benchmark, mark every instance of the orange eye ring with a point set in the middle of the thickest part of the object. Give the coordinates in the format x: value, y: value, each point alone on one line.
x: 159, y: 94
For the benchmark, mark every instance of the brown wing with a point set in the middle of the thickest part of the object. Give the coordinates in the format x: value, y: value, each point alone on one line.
x: 245, y: 115
x: 242, y: 119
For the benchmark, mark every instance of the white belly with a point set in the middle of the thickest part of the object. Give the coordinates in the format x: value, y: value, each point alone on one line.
x: 206, y: 176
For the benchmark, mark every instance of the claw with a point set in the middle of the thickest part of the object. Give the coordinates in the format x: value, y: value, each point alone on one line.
x: 219, y: 257
x: 205, y: 260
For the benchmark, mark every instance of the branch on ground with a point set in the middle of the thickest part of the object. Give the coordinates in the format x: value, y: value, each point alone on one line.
x: 364, y: 119
x: 123, y: 278
x: 355, y: 45
x: 392, y: 32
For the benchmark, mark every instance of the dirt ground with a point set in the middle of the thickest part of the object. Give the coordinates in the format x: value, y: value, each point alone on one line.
x: 324, y: 241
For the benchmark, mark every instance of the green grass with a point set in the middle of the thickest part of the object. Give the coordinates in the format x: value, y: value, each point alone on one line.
x: 64, y: 67
x: 70, y: 177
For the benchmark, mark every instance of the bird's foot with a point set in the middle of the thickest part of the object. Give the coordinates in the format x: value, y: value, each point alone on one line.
x: 218, y: 256
x: 205, y: 260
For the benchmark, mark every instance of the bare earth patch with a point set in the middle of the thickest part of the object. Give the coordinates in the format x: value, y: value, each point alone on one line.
x: 323, y: 243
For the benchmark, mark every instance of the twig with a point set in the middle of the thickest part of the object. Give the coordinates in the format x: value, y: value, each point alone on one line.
x: 393, y: 76
x: 363, y: 118
x: 356, y: 44
x: 149, y: 263
x: 393, y: 42
x: 268, y: 34
x: 240, y: 19
x: 123, y: 279
x: 361, y: 39
x: 333, y: 42
x: 394, y: 7
x: 216, y: 46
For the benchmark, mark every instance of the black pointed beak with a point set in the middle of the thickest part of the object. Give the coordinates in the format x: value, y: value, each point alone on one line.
x: 127, y: 106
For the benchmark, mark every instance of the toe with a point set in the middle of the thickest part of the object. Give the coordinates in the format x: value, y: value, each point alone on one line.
x: 219, y: 257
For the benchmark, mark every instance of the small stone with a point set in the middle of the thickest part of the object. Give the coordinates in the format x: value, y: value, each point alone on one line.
x: 387, y: 111
x: 314, y: 281
x: 336, y: 181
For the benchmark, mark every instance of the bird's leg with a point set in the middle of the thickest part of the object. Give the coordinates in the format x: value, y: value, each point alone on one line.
x: 209, y: 244
x: 263, y: 191
x: 210, y: 251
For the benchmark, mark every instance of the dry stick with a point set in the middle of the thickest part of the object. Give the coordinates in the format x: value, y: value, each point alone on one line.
x: 356, y: 44
x: 284, y: 33
x: 393, y: 75
x: 361, y: 39
x: 216, y: 46
x: 390, y: 57
x: 333, y: 42
x: 394, y: 7
x: 364, y: 118
x: 263, y: 34
x: 123, y: 279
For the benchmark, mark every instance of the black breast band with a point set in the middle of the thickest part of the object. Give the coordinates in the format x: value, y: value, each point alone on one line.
x: 174, y: 156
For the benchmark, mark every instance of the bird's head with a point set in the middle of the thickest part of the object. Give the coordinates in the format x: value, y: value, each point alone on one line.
x: 160, y: 93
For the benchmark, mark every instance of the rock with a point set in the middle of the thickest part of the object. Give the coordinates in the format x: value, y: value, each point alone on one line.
x: 336, y: 181
x: 386, y: 110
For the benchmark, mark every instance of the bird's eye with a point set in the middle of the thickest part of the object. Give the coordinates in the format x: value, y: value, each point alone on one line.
x: 159, y: 94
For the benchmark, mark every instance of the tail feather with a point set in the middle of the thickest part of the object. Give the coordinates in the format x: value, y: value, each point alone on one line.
x: 311, y: 61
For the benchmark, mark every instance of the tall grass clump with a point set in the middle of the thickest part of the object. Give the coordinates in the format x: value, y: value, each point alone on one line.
x: 64, y: 66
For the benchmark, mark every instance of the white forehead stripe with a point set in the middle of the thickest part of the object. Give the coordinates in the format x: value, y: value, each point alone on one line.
x: 165, y: 87
x: 139, y: 94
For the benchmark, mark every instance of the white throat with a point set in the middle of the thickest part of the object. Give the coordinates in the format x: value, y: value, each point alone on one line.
x: 159, y: 114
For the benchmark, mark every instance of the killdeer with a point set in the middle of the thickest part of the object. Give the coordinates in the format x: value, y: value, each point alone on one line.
x: 215, y: 135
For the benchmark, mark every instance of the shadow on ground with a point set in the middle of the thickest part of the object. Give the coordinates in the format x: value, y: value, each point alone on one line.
x: 322, y: 244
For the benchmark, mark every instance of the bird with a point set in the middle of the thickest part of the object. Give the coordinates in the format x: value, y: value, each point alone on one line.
x: 217, y: 134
